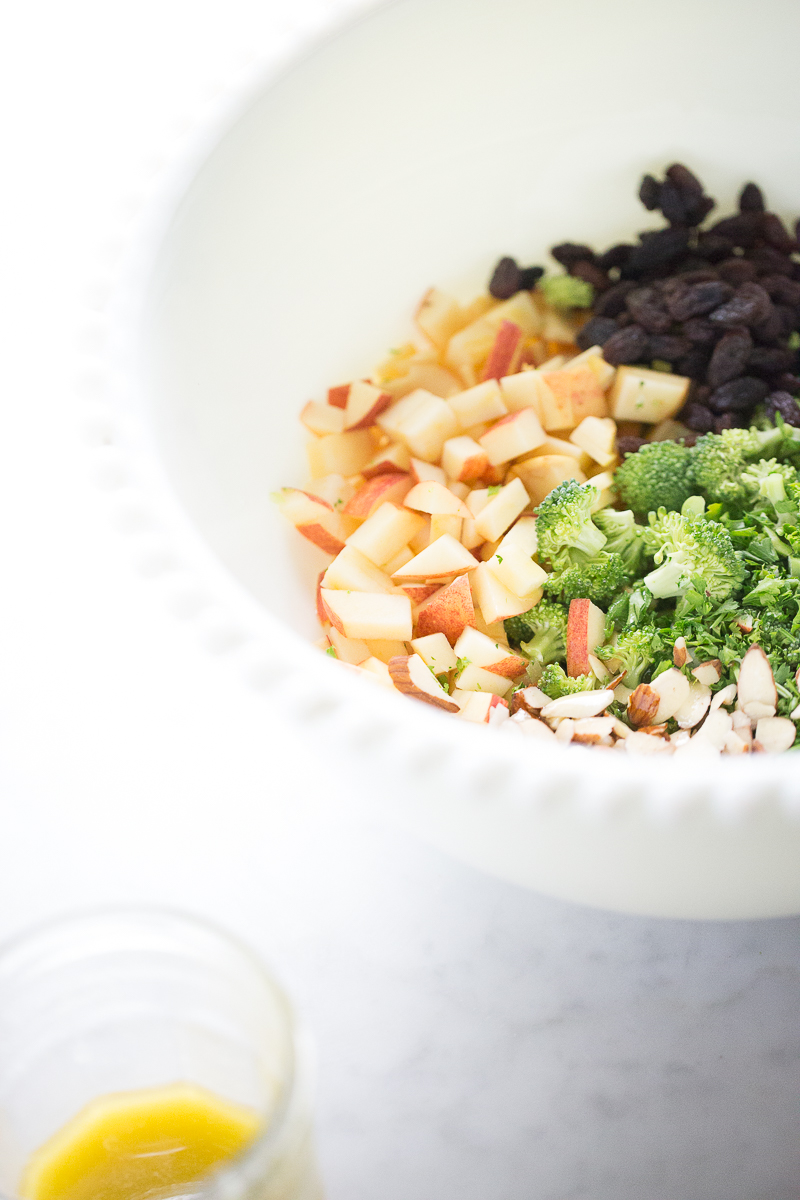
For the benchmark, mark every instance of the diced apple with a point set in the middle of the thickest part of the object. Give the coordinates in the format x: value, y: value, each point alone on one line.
x: 479, y: 707
x: 542, y: 473
x: 557, y: 445
x: 473, y: 344
x: 313, y: 517
x: 353, y: 571
x: 586, y: 627
x: 404, y: 555
x: 477, y: 500
x: 521, y: 391
x: 322, y: 418
x: 470, y: 536
x: 433, y: 497
x: 427, y: 426
x: 349, y: 650
x: 322, y: 616
x: 383, y: 649
x: 429, y: 376
x: 439, y: 316
x: 639, y: 394
x: 436, y: 652
x: 334, y: 490
x: 393, y: 459
x: 377, y: 668
x: 413, y: 677
x: 365, y: 403
x: 577, y: 388
x: 422, y: 539
x: 462, y: 490
x: 512, y: 436
x: 512, y: 562
x: 425, y: 472
x: 418, y: 593
x: 449, y: 610
x: 369, y: 614
x: 604, y: 482
x: 337, y: 396
x: 386, y: 532
x: 480, y: 403
x: 495, y: 601
x: 377, y: 491
x: 443, y: 558
x: 598, y: 437
x: 483, y: 651
x: 593, y: 358
x: 392, y: 418
x: 464, y: 459
x: 505, y: 352
x: 476, y: 679
x: 555, y: 409
x: 442, y: 523
x: 502, y: 510
x: 340, y: 453
x: 488, y: 549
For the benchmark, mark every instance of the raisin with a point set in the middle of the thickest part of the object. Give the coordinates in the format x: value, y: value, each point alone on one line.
x: 713, y: 247
x: 595, y: 332
x: 612, y: 302
x: 568, y: 253
x: 750, y: 305
x: 770, y: 262
x: 728, y: 420
x: 730, y: 357
x: 751, y: 198
x: 673, y: 204
x: 786, y: 405
x: 629, y: 445
x: 656, y: 250
x: 649, y: 192
x: 628, y: 345
x: 781, y: 290
x: 743, y: 230
x: 505, y: 281
x: 771, y: 360
x: 770, y: 331
x: 697, y: 299
x: 616, y: 256
x: 698, y: 417
x: 529, y: 277
x: 738, y: 395
x: 694, y: 364
x: 683, y: 178
x: 790, y: 383
x: 668, y: 348
x: 700, y: 331
x: 788, y: 317
x: 583, y: 269
x: 646, y: 307
x: 737, y: 270
x: 776, y: 233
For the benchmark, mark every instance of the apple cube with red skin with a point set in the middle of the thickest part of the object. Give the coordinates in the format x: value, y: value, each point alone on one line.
x: 479, y: 706
x: 448, y: 610
x: 476, y: 679
x: 375, y: 492
x: 393, y: 459
x: 442, y: 558
x: 411, y: 675
x: 365, y: 403
x: 418, y: 593
x: 579, y: 389
x: 313, y: 517
x: 322, y: 418
x: 436, y: 652
x: 506, y: 351
x: 477, y: 404
x: 337, y: 396
x: 426, y: 425
x: 464, y: 459
x: 586, y: 630
x: 593, y: 358
x: 352, y: 571
x: 486, y: 652
x: 340, y: 453
x: 495, y: 601
x: 349, y: 650
x: 431, y: 497
x: 425, y: 472
x: 367, y: 615
x: 385, y: 533
x: 439, y: 316
x: 512, y: 436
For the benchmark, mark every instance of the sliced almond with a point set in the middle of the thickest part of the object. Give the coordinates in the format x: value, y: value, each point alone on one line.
x: 673, y: 690
x: 745, y: 623
x: 581, y: 704
x: 411, y: 676
x: 593, y: 731
x: 530, y: 700
x: 643, y: 704
x: 537, y: 729
x: 756, y: 683
x: 620, y: 729
x: 639, y: 743
x: 715, y: 729
x: 654, y: 730
x: 695, y: 707
x: 735, y: 745
x: 725, y: 695
x: 709, y: 672
x: 565, y: 730
x: 756, y: 710
x: 680, y: 655
x: 775, y: 734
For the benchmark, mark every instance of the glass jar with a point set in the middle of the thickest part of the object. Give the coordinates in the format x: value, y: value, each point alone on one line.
x: 125, y: 999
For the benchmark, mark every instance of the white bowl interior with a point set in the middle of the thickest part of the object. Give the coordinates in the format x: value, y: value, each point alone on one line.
x: 414, y: 148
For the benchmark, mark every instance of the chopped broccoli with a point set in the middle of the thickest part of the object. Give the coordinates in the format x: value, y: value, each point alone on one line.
x: 567, y: 291
x: 565, y: 523
x: 657, y: 475
x: 720, y: 460
x: 623, y: 536
x: 685, y: 550
x: 541, y: 632
x: 633, y: 652
x: 598, y: 579
x: 555, y: 682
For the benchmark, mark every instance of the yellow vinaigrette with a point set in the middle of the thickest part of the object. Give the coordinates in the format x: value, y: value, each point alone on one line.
x: 139, y: 1144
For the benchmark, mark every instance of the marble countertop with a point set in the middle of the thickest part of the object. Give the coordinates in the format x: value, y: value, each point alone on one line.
x: 475, y: 1042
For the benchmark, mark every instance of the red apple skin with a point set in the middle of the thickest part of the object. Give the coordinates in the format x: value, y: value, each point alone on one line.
x: 419, y: 592
x: 496, y: 702
x: 448, y: 611
x: 321, y: 537
x: 508, y: 667
x: 376, y: 491
x: 322, y: 612
x: 337, y: 396
x: 369, y: 418
x: 332, y: 617
x: 506, y: 349
x: 578, y: 648
x: 387, y: 467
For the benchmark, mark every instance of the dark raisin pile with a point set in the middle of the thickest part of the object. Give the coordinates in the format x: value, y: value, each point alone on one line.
x: 719, y: 304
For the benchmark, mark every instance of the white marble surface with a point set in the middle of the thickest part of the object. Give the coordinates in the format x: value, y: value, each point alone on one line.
x: 475, y: 1042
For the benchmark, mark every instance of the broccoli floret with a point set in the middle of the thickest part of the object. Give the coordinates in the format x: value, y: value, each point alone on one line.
x: 767, y: 479
x: 555, y: 682
x: 598, y: 579
x: 623, y: 537
x: 633, y: 652
x: 686, y: 549
x: 541, y: 632
x: 657, y: 475
x: 567, y: 291
x: 720, y: 461
x: 565, y: 523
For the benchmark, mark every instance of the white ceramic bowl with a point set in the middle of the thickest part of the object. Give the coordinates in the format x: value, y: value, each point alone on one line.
x: 414, y: 148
